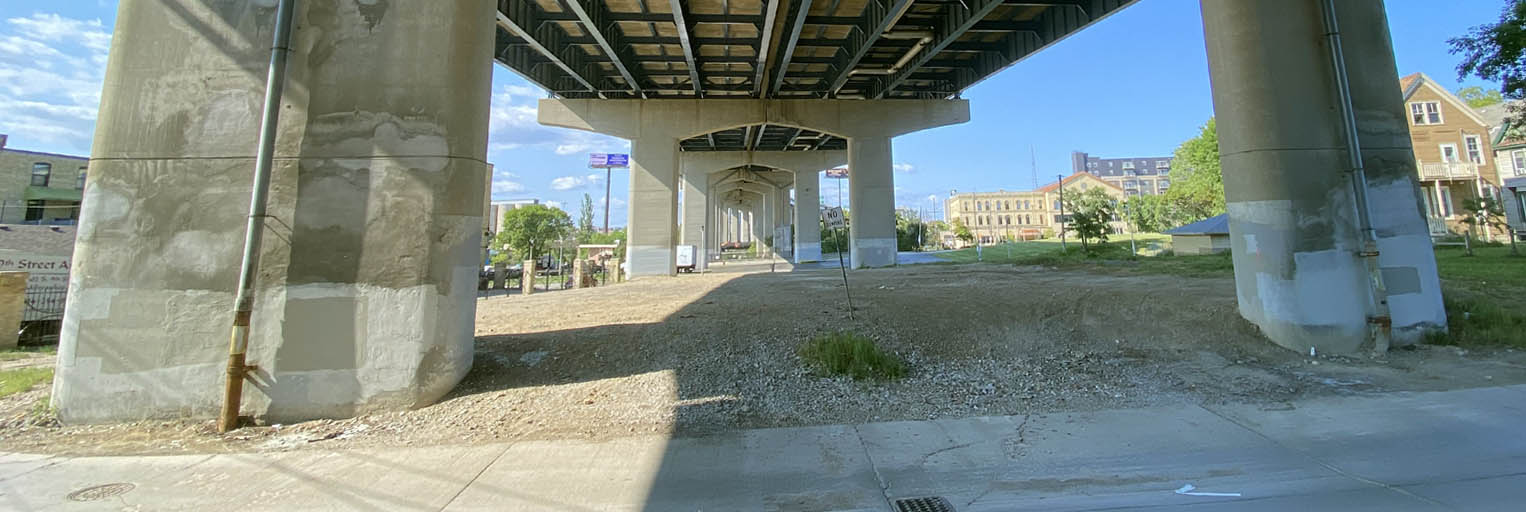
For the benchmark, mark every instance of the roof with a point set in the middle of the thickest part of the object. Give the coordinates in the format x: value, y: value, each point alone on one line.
x: 39, y: 153
x: 1080, y: 175
x: 1216, y: 225
x: 48, y: 240
x: 1412, y: 83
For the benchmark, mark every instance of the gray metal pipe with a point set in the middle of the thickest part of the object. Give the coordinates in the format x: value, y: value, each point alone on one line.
x: 1380, y: 323
x: 275, y: 86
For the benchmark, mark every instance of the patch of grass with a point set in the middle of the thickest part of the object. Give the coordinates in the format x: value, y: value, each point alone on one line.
x: 853, y: 355
x: 1474, y: 322
x: 26, y: 352
x: 1155, y: 256
x: 22, y: 379
x: 1193, y: 265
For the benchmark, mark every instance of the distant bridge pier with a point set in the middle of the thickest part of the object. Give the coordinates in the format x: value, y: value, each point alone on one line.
x: 656, y: 127
x: 1292, y: 217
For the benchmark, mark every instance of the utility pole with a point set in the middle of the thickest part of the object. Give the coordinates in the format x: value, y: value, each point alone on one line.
x: 1061, y: 177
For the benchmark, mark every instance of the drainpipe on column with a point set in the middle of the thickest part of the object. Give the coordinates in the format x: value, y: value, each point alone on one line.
x: 1380, y: 324
x: 275, y: 85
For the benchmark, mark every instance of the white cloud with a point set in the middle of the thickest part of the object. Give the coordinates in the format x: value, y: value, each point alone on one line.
x: 554, y: 204
x: 904, y: 167
x: 574, y: 182
x: 51, y: 70
x: 513, y: 125
x: 504, y: 182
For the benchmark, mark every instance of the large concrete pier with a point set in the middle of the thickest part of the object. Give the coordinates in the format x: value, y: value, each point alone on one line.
x: 367, y: 276
x: 1292, y: 212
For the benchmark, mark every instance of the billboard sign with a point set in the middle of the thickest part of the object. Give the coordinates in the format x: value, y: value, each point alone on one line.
x: 839, y: 173
x: 609, y: 160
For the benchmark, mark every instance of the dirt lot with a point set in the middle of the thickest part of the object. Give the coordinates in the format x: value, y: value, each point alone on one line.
x: 700, y: 354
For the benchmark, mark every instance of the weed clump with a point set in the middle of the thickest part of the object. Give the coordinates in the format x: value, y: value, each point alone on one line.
x: 852, y: 355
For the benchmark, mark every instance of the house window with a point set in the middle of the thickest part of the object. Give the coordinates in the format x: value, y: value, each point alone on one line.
x: 34, y: 210
x: 988, y: 206
x: 79, y: 181
x: 41, y: 172
x: 1475, y: 150
x: 1162, y: 164
x: 1425, y: 112
x: 1128, y: 166
x: 966, y: 206
x: 1449, y: 153
x: 1518, y: 157
x: 1057, y: 204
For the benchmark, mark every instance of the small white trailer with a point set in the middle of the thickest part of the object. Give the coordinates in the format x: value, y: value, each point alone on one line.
x: 686, y: 258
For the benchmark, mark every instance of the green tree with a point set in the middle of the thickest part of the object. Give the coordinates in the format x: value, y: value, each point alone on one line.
x: 1477, y: 97
x: 528, y: 229
x: 1090, y: 212
x: 1497, y: 52
x: 1197, y: 180
x: 585, y: 217
x: 1144, y: 213
x: 1488, y: 214
x: 962, y: 231
x: 910, y: 232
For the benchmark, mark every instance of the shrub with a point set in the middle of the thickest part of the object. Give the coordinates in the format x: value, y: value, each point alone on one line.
x: 853, y: 355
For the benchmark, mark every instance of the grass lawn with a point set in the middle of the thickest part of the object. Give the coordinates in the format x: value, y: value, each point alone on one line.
x: 22, y: 379
x: 26, y: 352
x: 1485, y: 294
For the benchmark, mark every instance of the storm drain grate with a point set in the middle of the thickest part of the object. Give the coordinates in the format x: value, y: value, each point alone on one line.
x: 928, y: 504
x: 101, y: 492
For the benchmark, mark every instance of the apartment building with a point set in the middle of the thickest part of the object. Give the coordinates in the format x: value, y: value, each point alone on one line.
x: 1135, y: 175
x: 40, y: 188
x: 1453, y: 151
x: 1002, y: 215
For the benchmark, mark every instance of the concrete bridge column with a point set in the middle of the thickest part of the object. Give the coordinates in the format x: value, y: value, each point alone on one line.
x: 1292, y: 217
x: 653, y: 222
x: 807, y: 216
x: 365, y: 291
x: 696, y: 213
x: 871, y: 198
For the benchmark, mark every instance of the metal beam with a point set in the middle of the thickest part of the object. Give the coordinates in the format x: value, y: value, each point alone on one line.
x: 594, y: 21
x: 685, y: 31
x: 954, y: 26
x: 765, y: 41
x: 879, y: 16
x: 544, y: 42
x: 796, y: 22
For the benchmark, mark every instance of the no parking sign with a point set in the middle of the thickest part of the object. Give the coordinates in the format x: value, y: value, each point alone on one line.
x: 832, y: 216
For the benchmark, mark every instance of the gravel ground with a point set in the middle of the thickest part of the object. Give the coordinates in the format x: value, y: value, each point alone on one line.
x: 697, y: 355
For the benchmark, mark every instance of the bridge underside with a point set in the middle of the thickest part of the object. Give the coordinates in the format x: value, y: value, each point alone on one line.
x: 365, y: 288
x: 865, y: 49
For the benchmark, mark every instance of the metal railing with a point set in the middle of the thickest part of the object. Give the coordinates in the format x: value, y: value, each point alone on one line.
x: 1448, y: 170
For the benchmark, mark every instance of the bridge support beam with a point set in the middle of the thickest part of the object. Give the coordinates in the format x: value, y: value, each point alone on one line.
x: 1292, y: 216
x: 871, y: 197
x: 365, y: 292
x: 696, y: 214
x: 807, y: 217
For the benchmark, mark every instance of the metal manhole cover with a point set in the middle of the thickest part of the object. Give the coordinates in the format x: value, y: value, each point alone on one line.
x: 928, y: 504
x: 101, y: 492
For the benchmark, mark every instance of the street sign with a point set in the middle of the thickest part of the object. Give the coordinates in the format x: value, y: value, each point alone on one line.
x: 840, y: 173
x: 609, y: 160
x: 833, y: 217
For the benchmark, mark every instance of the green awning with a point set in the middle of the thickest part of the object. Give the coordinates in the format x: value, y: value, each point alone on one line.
x: 54, y: 194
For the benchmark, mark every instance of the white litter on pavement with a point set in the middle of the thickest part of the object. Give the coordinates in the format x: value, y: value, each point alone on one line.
x: 1187, y: 490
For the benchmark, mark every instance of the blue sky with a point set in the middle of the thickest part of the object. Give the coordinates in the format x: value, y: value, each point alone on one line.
x: 1133, y: 85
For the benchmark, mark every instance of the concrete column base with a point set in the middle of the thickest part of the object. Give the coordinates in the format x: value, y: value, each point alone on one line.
x: 12, y: 307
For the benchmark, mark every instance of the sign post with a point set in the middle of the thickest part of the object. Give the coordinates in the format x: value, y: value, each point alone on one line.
x: 608, y: 161
x: 834, y: 220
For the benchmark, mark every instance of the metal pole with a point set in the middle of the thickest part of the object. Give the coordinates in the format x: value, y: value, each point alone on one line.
x: 1380, y: 324
x: 275, y: 84
x: 608, y: 173
x: 1063, y: 248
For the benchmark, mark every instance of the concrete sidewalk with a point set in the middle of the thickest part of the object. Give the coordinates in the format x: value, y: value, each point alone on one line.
x: 1458, y: 450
